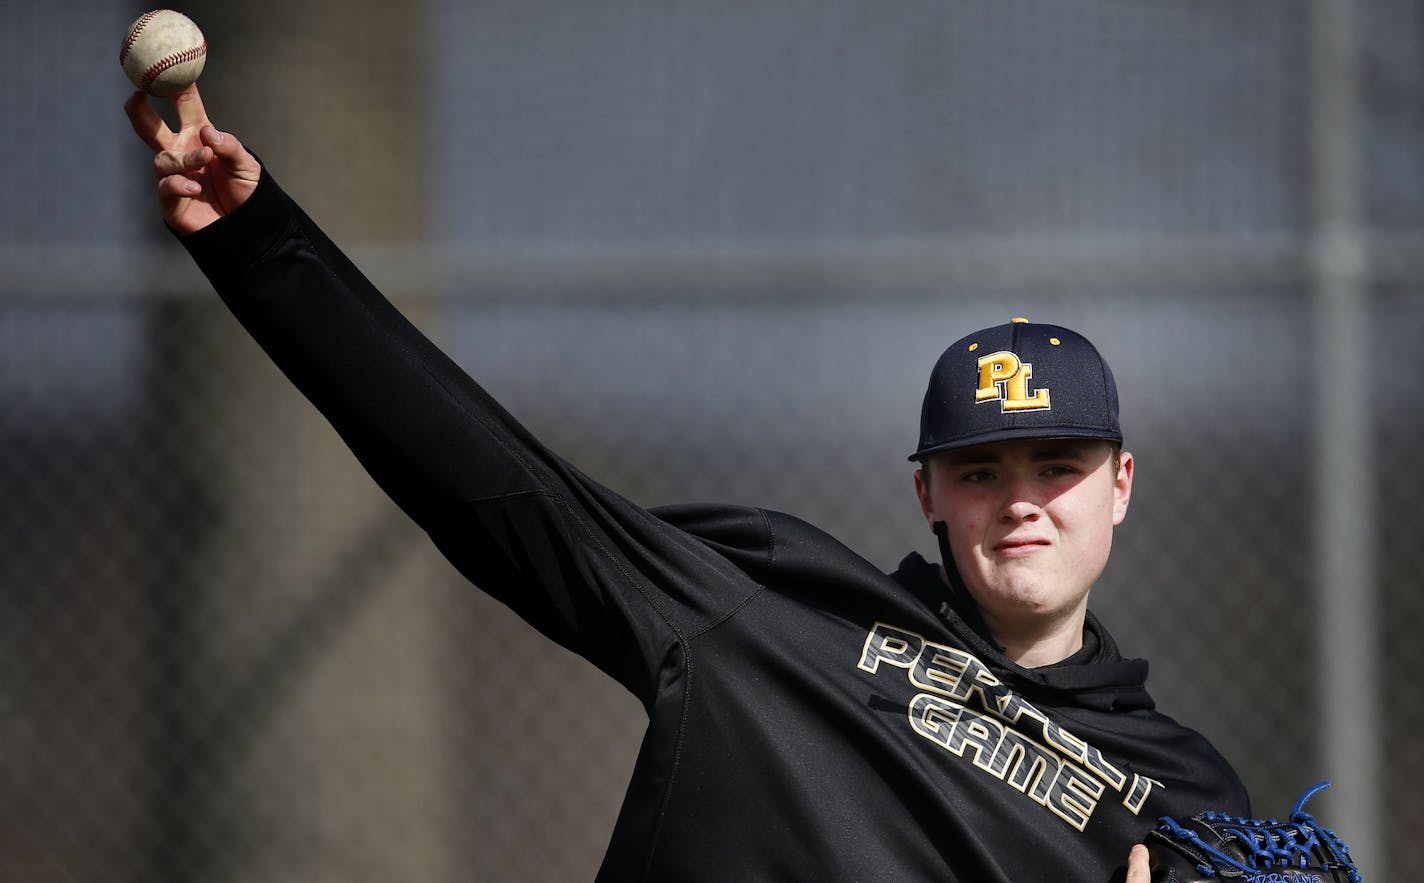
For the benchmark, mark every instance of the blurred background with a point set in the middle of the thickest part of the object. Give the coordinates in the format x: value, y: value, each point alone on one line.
x: 708, y: 251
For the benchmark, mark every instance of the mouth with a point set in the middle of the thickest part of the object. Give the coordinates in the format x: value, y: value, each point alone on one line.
x: 1013, y: 548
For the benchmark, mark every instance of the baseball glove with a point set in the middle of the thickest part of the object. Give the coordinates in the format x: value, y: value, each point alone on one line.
x: 1212, y: 846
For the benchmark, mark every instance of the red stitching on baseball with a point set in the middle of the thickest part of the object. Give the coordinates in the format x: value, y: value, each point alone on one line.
x: 168, y: 61
x: 134, y: 31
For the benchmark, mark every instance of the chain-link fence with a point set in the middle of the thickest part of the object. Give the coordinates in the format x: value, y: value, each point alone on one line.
x: 706, y: 251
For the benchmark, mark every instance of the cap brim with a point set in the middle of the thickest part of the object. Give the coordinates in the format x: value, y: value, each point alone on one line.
x: 1016, y: 434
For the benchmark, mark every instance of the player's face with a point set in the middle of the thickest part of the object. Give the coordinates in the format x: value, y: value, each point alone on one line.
x: 1030, y: 523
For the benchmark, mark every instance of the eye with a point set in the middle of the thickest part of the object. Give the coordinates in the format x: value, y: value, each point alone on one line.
x: 976, y: 476
x: 1059, y: 470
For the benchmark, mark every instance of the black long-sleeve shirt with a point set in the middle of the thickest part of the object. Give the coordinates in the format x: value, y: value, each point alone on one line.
x: 810, y: 717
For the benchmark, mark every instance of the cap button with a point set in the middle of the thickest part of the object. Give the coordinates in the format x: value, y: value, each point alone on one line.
x: 1019, y: 320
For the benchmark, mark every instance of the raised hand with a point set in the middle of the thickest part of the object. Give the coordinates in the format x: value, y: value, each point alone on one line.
x: 203, y: 173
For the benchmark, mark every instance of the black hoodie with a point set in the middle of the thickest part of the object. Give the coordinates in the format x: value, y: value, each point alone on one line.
x: 810, y: 718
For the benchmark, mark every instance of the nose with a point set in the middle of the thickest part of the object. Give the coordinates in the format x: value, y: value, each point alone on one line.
x: 1020, y: 512
x: 1019, y: 504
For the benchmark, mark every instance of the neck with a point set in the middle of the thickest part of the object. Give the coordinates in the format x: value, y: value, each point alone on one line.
x: 1038, y: 644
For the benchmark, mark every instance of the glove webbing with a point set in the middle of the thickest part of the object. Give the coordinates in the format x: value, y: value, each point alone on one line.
x: 1269, y: 844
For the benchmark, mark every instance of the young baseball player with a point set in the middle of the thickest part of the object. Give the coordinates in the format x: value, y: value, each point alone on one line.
x: 809, y: 717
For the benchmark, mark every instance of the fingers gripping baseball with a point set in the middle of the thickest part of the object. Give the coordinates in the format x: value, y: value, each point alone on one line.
x: 203, y: 174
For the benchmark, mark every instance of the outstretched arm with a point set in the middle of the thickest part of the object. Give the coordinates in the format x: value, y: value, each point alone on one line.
x: 567, y: 554
x: 203, y: 174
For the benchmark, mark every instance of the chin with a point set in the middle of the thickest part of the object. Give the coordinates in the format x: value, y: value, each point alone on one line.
x: 1030, y: 599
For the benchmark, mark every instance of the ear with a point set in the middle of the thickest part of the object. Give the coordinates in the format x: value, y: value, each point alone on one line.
x: 1122, y: 487
x: 922, y: 490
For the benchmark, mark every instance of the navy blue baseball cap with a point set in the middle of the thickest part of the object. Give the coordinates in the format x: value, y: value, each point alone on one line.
x: 1015, y: 381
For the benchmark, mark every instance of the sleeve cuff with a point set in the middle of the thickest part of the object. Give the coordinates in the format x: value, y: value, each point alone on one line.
x: 232, y: 244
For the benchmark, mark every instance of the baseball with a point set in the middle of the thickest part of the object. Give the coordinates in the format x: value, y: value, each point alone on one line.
x: 163, y: 52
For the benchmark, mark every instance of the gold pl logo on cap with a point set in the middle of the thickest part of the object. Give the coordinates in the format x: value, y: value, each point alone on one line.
x: 1004, y: 379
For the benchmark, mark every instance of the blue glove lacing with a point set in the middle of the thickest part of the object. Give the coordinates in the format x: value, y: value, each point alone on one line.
x: 1269, y: 844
